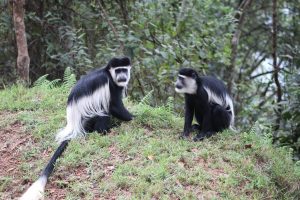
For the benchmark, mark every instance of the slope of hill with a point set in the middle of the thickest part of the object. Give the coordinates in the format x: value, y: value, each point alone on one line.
x: 141, y: 159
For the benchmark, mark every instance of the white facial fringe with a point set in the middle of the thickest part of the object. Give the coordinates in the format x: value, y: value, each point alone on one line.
x: 190, y: 86
x: 86, y: 107
x: 115, y: 76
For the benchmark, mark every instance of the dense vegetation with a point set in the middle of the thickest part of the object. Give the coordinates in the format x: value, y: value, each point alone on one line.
x: 141, y: 159
x: 253, y: 46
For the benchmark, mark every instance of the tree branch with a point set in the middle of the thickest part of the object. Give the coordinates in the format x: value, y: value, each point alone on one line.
x: 262, y: 74
x: 105, y: 16
x: 240, y: 16
x: 265, y: 100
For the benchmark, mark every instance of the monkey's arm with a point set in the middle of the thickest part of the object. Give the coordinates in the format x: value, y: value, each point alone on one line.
x: 206, y: 125
x: 119, y: 111
x: 207, y: 120
x: 189, y: 114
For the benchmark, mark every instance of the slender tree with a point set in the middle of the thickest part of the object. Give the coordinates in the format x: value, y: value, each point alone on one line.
x: 275, y: 65
x: 23, y: 59
x: 240, y: 17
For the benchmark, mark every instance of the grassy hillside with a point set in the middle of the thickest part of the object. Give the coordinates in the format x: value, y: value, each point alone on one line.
x: 142, y: 159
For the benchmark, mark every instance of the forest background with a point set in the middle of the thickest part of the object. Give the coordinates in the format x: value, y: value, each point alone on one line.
x: 253, y: 46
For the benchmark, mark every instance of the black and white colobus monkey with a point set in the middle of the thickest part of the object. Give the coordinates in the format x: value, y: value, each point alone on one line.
x: 92, y: 101
x: 207, y: 98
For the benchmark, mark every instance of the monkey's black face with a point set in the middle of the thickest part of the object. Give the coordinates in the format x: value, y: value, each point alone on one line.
x: 120, y: 75
x: 185, y: 84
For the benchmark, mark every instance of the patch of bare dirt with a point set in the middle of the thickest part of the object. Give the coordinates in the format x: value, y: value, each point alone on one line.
x: 13, y: 141
x: 57, y: 186
x: 58, y: 183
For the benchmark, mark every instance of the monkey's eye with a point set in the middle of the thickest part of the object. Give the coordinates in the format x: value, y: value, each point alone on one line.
x: 118, y: 71
x: 124, y: 70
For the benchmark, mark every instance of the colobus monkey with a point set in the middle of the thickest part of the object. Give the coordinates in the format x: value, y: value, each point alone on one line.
x: 207, y: 98
x: 92, y: 101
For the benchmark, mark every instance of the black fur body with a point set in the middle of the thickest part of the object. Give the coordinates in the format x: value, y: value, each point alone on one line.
x: 92, y: 101
x: 89, y: 84
x: 208, y: 100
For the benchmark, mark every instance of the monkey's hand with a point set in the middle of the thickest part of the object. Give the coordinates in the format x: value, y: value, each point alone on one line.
x: 127, y: 117
x: 120, y: 112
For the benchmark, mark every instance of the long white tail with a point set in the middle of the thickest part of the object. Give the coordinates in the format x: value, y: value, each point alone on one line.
x: 36, y: 190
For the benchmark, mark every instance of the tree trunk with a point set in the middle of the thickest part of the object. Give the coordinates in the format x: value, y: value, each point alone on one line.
x: 229, y: 73
x: 275, y: 65
x: 23, y: 59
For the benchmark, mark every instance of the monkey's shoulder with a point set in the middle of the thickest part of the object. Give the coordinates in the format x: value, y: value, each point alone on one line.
x: 214, y: 84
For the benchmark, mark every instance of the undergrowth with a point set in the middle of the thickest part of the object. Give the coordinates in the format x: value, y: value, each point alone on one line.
x: 144, y: 158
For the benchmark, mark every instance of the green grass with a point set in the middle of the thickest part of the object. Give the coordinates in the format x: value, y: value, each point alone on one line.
x: 144, y: 158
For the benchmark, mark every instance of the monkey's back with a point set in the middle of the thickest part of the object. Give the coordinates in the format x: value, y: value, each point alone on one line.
x: 88, y: 84
x: 215, y: 85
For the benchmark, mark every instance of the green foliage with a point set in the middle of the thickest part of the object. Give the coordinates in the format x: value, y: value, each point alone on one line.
x: 66, y: 37
x: 169, y: 36
x: 8, y: 52
x: 290, y: 133
x: 165, y: 36
x: 76, y: 55
x: 69, y: 78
